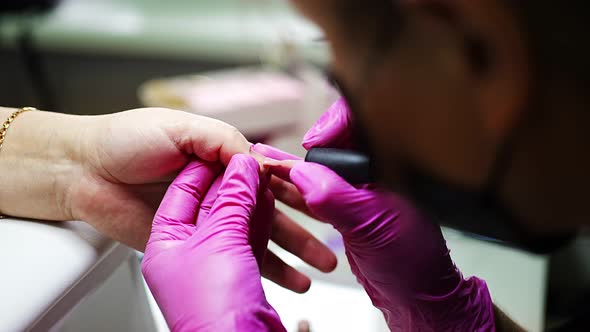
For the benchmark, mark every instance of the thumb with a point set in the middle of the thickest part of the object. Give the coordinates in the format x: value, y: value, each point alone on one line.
x: 333, y: 129
x: 330, y: 197
x: 230, y: 215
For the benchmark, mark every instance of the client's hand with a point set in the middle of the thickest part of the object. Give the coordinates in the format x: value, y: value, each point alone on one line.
x: 207, y: 236
x: 131, y: 157
x: 129, y: 160
x: 396, y: 253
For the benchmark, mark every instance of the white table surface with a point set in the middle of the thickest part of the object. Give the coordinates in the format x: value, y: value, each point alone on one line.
x: 48, y: 268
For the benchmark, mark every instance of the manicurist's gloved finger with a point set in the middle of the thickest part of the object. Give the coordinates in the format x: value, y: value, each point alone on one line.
x: 261, y: 221
x: 229, y: 217
x: 212, y: 281
x: 332, y: 130
x: 208, y: 201
x: 175, y: 218
x: 325, y: 193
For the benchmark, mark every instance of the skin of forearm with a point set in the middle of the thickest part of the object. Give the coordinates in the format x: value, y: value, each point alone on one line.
x: 39, y: 161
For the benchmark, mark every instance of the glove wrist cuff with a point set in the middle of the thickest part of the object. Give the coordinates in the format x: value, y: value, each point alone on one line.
x: 468, y: 307
x: 258, y: 318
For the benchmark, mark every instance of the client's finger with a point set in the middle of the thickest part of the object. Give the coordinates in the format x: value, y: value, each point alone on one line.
x: 261, y: 224
x: 287, y: 193
x: 303, y: 326
x: 230, y: 214
x: 208, y: 201
x: 277, y: 271
x: 295, y: 239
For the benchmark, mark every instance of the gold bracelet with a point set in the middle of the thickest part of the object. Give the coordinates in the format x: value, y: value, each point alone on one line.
x: 6, y: 125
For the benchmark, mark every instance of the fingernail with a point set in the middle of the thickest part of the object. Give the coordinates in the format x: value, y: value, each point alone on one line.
x: 280, y: 163
x: 270, y: 162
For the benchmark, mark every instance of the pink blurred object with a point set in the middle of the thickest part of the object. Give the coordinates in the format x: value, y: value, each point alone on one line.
x: 258, y: 102
x: 208, y: 237
x: 224, y: 93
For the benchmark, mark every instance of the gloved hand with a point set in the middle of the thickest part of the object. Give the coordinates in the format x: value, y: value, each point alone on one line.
x: 396, y: 253
x: 207, y: 242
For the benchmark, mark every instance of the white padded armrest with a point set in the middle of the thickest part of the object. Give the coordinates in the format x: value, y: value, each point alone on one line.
x: 47, y: 268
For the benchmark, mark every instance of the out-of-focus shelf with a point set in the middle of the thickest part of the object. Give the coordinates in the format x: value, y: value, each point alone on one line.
x: 224, y: 30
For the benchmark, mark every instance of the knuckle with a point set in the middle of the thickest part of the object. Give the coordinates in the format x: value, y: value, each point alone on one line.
x: 232, y: 132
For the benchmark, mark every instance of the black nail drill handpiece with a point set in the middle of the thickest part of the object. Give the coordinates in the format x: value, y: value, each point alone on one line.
x: 352, y: 166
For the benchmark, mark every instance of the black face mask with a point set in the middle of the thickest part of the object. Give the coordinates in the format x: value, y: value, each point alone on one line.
x: 481, y: 213
x: 477, y: 212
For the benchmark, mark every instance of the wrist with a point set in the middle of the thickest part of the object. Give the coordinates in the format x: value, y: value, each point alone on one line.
x: 70, y: 166
x: 39, y: 161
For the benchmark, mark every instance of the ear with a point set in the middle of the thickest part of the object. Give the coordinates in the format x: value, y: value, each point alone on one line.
x: 496, y: 46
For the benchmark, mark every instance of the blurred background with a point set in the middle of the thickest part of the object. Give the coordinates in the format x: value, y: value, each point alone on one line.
x: 261, y: 67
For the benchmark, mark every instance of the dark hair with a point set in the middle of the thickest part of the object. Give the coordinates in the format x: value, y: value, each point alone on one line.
x: 558, y: 41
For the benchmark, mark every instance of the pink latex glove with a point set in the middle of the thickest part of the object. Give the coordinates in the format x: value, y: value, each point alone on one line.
x: 399, y: 256
x: 201, y: 258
